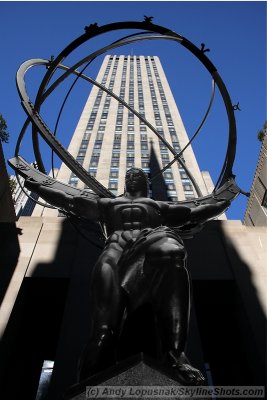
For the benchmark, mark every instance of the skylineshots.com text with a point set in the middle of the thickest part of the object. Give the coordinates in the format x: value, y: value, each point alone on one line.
x: 172, y: 392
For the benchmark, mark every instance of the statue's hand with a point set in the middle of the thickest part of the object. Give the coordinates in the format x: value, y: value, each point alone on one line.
x: 52, y: 196
x: 223, y: 204
x: 223, y: 201
x: 206, y: 212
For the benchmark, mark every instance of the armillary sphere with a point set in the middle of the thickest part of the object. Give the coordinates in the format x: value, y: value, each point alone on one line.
x: 225, y: 187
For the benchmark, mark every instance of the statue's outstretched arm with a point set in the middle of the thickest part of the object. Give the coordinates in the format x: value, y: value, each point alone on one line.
x: 175, y: 214
x: 51, y: 195
x: 179, y: 215
x: 78, y: 205
x: 206, y: 212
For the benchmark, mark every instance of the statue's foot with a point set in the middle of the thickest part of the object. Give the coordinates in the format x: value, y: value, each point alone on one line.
x: 98, y: 355
x: 187, y: 374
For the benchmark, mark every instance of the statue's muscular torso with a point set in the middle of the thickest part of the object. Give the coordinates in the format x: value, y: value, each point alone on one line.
x: 126, y: 215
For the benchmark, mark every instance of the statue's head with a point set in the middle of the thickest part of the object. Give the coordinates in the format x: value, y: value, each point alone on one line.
x: 136, y: 181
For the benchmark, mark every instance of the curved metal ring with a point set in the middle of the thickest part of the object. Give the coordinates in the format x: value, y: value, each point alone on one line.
x: 68, y: 159
x: 227, y: 167
x: 133, y: 38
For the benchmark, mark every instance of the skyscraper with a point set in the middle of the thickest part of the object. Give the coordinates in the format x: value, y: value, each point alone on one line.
x: 109, y: 139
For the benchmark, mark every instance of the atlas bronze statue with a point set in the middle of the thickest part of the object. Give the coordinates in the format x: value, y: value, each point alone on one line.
x: 144, y: 258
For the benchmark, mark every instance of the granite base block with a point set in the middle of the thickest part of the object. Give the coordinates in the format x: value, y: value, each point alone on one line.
x: 129, y: 380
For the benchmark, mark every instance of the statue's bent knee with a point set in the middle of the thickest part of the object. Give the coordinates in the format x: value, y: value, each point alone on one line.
x: 166, y: 249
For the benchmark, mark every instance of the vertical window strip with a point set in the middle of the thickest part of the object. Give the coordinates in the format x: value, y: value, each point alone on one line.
x: 162, y: 94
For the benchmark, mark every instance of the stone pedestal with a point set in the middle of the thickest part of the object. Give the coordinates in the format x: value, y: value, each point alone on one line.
x: 137, y: 378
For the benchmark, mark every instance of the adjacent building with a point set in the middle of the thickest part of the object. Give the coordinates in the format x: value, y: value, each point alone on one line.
x: 256, y: 212
x: 23, y: 199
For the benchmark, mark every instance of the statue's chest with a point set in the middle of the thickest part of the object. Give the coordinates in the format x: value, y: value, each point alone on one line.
x: 139, y: 214
x: 132, y: 213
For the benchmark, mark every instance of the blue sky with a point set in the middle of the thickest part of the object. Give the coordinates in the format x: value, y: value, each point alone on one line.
x: 235, y: 33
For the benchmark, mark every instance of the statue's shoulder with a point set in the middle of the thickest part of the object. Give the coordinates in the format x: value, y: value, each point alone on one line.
x: 104, y: 201
x: 163, y: 205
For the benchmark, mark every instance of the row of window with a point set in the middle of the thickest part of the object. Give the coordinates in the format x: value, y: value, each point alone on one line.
x: 86, y: 137
x: 101, y: 128
x: 163, y: 149
x: 113, y: 180
x: 131, y: 58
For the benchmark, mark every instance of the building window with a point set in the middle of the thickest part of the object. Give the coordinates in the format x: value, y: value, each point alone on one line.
x: 130, y: 138
x: 73, y: 181
x: 113, y: 185
x: 187, y: 187
x: 114, y: 163
x: 144, y: 155
x: 98, y: 144
x: 92, y: 171
x: 165, y: 156
x: 163, y: 147
x: 145, y: 164
x: 114, y: 174
x: 100, y: 136
x: 115, y: 155
x: 168, y: 175
x: 170, y: 186
x: 183, y: 175
x: 172, y: 193
x: 94, y: 161
x: 174, y: 138
x: 130, y: 160
x: 86, y: 135
x: 80, y: 159
x: 173, y: 198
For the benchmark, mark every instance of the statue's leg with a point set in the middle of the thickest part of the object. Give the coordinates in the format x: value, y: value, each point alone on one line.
x: 171, y: 302
x: 108, y: 307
